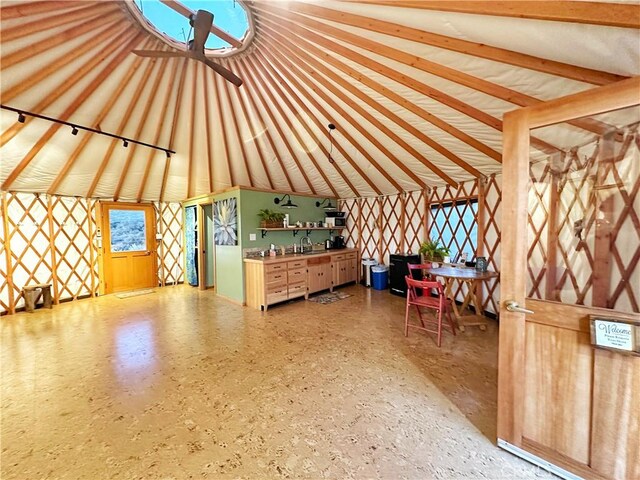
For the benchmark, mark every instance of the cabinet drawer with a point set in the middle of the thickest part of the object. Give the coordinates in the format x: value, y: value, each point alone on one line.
x: 351, y: 255
x: 297, y: 290
x: 297, y: 264
x: 276, y: 278
x: 319, y: 260
x: 298, y: 275
x: 337, y: 258
x: 279, y: 295
x: 275, y: 267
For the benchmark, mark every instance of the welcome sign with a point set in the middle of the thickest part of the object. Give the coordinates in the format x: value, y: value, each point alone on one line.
x: 620, y: 335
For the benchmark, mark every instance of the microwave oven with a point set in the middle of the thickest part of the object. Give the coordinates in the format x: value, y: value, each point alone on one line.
x: 335, y: 221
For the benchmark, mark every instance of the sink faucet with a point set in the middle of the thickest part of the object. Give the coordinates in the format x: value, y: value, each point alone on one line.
x: 305, y: 242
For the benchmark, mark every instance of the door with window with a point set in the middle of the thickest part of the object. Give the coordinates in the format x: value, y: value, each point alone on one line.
x: 128, y: 247
x: 571, y: 254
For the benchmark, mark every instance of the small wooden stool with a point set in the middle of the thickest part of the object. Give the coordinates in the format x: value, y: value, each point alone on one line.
x: 32, y: 293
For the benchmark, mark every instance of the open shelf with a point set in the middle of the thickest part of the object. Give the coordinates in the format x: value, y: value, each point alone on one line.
x: 295, y: 231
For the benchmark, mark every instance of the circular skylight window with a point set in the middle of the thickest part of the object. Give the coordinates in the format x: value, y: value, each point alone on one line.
x: 170, y: 18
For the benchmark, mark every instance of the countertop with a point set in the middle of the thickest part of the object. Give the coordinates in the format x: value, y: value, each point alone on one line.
x: 293, y: 256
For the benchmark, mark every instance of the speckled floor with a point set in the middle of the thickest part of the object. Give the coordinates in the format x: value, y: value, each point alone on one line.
x: 180, y: 384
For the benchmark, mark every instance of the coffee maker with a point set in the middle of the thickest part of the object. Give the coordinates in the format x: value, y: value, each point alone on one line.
x: 338, y: 242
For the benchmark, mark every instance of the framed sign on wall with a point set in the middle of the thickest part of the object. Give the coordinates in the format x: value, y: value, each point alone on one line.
x: 620, y: 335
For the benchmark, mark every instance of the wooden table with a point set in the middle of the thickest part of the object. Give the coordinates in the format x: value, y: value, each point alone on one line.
x: 471, y: 277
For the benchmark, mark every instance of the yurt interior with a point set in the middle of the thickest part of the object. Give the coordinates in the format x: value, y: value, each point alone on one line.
x: 368, y: 239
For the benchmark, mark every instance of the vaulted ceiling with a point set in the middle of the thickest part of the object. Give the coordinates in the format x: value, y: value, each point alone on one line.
x: 416, y: 90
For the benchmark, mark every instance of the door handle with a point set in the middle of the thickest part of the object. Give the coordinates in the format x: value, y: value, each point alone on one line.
x: 513, y: 306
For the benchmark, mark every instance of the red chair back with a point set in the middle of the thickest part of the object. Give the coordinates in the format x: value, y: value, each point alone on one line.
x: 417, y: 266
x: 426, y: 286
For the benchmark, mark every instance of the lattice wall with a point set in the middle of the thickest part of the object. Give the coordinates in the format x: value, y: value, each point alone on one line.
x: 51, y: 239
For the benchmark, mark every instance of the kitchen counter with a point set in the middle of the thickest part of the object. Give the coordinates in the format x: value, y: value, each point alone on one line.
x: 291, y: 256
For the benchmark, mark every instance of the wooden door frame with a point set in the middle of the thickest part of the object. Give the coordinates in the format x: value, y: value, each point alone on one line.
x: 516, y: 133
x: 102, y: 205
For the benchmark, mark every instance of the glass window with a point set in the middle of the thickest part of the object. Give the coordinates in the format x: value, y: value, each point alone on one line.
x: 454, y: 225
x: 128, y: 230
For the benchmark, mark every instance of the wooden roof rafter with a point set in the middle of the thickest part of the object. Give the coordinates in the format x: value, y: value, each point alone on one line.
x: 165, y: 108
x: 192, y: 124
x: 124, y: 83
x: 592, y: 13
x: 363, y: 131
x: 392, y: 95
x: 37, y: 8
x: 311, y: 133
x: 223, y: 132
x: 207, y: 126
x: 488, y: 52
x: 126, y: 42
x: 495, y: 90
x: 248, y: 72
x: 420, y: 87
x: 314, y: 67
x: 268, y: 75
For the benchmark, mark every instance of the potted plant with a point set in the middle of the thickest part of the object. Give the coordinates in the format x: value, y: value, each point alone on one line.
x: 432, y: 251
x: 271, y: 219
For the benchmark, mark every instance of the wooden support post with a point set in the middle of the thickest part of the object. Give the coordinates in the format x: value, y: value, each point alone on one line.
x: 92, y: 247
x: 52, y: 246
x: 481, y: 220
x: 160, y: 247
x: 426, y: 199
x: 551, y: 283
x: 7, y: 252
x: 380, y: 255
x: 604, y: 221
x: 359, y: 202
x: 403, y: 227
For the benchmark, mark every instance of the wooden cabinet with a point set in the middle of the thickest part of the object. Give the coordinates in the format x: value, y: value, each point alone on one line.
x: 345, y: 268
x: 269, y: 283
x: 319, y: 274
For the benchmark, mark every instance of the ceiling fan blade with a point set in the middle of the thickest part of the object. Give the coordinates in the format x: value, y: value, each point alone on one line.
x: 228, y: 74
x: 202, y: 21
x: 157, y: 53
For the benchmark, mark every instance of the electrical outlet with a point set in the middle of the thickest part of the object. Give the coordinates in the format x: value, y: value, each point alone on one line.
x: 252, y: 237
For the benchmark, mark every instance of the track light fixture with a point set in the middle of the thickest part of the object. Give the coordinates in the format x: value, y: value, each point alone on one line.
x: 326, y: 204
x: 75, y: 128
x: 332, y: 127
x: 168, y: 154
x: 288, y: 204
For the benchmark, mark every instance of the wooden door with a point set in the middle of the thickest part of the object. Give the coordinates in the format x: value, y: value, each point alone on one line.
x: 570, y: 249
x: 128, y: 247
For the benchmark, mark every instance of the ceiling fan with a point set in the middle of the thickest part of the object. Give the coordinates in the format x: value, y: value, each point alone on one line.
x: 201, y: 22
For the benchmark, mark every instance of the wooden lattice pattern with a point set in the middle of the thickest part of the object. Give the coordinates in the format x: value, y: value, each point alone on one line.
x: 370, y: 227
x: 392, y: 226
x: 170, y: 254
x: 489, y: 240
x: 352, y: 232
x: 52, y: 239
x: 414, y: 220
x: 573, y: 174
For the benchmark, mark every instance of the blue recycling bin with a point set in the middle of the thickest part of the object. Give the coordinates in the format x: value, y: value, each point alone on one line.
x: 380, y: 277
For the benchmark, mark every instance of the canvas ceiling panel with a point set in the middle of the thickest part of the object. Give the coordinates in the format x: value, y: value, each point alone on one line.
x: 400, y: 153
x: 136, y: 171
x: 219, y: 165
x: 539, y: 85
x: 559, y: 41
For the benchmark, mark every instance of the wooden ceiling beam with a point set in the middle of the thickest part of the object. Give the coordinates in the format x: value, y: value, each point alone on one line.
x: 276, y: 123
x: 267, y: 134
x: 392, y: 95
x: 127, y: 44
x: 94, y: 27
x: 295, y: 13
x: 254, y: 135
x: 74, y: 16
x: 234, y: 122
x: 262, y: 71
x: 133, y: 105
x: 282, y: 17
x: 311, y: 133
x: 104, y: 37
x: 510, y: 57
x: 124, y: 83
x: 174, y: 125
x: 192, y: 138
x: 218, y: 32
x: 36, y: 8
x: 225, y: 146
x: 207, y: 126
x: 160, y: 119
x: 312, y: 67
x: 591, y: 13
x: 364, y: 131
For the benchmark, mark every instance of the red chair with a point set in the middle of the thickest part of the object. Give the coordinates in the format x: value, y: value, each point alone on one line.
x: 432, y: 297
x: 417, y: 266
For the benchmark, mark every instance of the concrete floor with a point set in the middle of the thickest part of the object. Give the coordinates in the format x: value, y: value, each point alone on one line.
x: 181, y: 384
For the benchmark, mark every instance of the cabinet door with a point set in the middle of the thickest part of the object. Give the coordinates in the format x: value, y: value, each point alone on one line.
x: 351, y: 270
x: 325, y: 276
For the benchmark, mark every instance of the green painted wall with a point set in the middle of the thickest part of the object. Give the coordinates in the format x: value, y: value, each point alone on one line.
x: 229, y: 266
x: 253, y: 202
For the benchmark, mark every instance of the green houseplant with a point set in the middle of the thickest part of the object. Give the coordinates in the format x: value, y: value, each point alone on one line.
x: 431, y: 250
x: 271, y: 219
